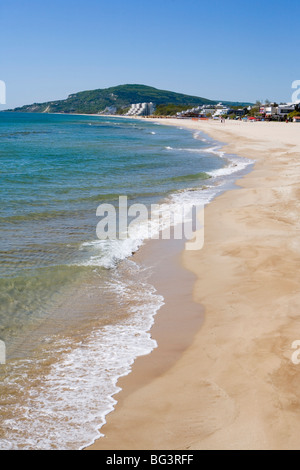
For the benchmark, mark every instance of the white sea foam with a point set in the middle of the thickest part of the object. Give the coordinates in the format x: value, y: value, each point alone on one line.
x: 233, y: 165
x: 176, y: 209
x: 108, y: 253
x: 198, y: 135
x: 69, y: 408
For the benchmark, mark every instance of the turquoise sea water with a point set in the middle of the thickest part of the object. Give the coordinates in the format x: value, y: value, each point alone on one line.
x: 75, y: 311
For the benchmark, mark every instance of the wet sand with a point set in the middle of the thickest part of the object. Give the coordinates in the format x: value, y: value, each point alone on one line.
x: 229, y: 382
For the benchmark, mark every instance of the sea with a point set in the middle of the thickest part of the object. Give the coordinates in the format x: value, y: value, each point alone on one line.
x: 76, y: 310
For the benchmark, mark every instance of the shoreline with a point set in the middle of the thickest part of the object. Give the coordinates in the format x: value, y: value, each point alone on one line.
x: 172, y: 331
x: 235, y: 386
x: 133, y: 293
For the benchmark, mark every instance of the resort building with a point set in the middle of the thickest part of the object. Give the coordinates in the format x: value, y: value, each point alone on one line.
x: 285, y: 109
x: 220, y: 110
x: 206, y: 110
x: 109, y: 110
x: 141, y: 109
x: 278, y: 112
x: 269, y: 109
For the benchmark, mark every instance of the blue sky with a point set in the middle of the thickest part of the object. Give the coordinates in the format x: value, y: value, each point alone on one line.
x: 218, y: 49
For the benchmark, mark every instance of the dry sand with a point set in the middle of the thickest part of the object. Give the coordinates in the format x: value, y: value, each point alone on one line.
x: 235, y: 385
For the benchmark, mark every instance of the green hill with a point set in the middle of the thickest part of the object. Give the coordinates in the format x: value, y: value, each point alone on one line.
x: 122, y: 96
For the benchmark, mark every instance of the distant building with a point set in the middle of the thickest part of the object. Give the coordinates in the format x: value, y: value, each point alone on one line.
x: 109, y: 110
x: 285, y: 109
x: 215, y: 110
x: 141, y: 109
x: 193, y: 112
x: 269, y: 110
x: 220, y: 110
x: 205, y: 110
x: 277, y: 112
x: 240, y: 112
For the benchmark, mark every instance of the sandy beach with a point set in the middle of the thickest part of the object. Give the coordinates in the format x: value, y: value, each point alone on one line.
x: 232, y: 383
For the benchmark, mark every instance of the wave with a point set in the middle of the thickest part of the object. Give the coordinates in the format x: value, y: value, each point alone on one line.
x: 79, y: 376
x: 37, y: 216
x: 108, y: 253
x: 201, y: 150
x: 192, y: 177
x: 233, y: 163
x: 24, y: 133
x: 214, y: 149
x: 198, y: 135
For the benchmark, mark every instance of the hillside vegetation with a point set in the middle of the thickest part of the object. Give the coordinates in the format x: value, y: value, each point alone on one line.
x: 121, y: 97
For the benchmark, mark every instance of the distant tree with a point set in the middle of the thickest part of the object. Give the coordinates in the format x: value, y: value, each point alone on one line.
x: 170, y: 109
x: 122, y: 111
x: 293, y: 114
x: 254, y: 111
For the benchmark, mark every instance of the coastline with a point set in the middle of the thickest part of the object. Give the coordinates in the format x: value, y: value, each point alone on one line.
x: 235, y: 386
x: 119, y: 293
